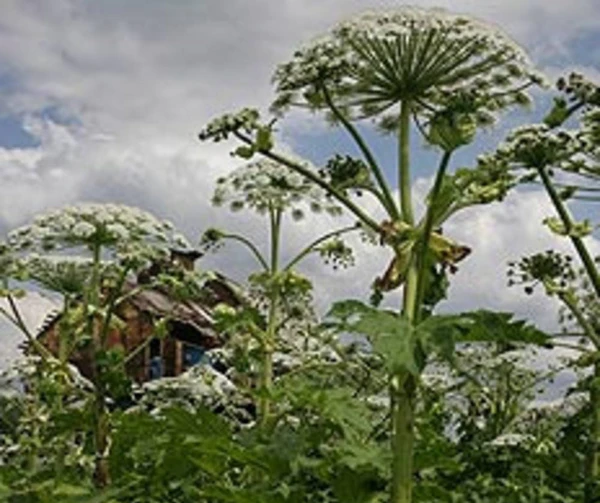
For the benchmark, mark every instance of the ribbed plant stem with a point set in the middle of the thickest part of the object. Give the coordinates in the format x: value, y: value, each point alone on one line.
x: 403, y: 439
x: 423, y: 247
x: 402, y: 384
x: 567, y: 221
x: 404, y: 163
x: 268, y: 343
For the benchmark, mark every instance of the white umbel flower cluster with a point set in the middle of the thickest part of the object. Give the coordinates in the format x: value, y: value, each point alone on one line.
x: 123, y: 228
x: 380, y: 58
x: 265, y: 185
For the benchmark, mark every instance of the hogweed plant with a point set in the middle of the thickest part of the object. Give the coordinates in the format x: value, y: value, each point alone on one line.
x: 278, y: 319
x: 86, y: 253
x: 443, y: 74
x: 566, y: 162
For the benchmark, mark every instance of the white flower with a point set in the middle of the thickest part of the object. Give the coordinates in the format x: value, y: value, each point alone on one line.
x: 83, y: 230
x: 104, y: 216
x: 119, y: 231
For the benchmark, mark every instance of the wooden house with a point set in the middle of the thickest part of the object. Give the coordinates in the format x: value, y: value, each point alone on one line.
x: 189, y: 322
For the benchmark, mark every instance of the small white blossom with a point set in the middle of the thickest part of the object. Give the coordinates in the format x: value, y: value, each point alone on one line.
x: 119, y: 231
x: 83, y: 230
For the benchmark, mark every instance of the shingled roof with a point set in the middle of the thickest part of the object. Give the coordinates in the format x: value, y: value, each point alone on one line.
x: 197, y: 313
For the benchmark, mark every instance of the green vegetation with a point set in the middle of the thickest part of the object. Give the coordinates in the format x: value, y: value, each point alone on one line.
x: 422, y: 406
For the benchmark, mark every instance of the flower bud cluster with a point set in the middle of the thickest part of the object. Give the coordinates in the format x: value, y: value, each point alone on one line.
x: 337, y: 253
x: 220, y: 128
x: 212, y: 240
x: 579, y: 89
x: 345, y: 172
x: 538, y: 146
x: 549, y: 268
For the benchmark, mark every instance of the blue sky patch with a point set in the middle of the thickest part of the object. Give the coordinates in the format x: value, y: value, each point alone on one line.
x: 14, y: 135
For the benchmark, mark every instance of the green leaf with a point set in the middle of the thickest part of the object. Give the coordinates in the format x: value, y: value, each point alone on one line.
x: 366, y: 456
x: 107, y: 496
x: 490, y: 326
x: 264, y: 139
x: 398, y: 349
x: 356, y: 487
x: 391, y: 336
x: 244, y: 152
x: 438, y: 333
x: 4, y: 492
x: 558, y: 114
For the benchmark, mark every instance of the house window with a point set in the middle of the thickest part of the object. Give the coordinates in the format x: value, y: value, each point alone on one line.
x: 191, y: 355
x: 156, y: 366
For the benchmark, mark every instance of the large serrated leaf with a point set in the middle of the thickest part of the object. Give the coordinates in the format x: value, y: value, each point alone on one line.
x: 391, y: 336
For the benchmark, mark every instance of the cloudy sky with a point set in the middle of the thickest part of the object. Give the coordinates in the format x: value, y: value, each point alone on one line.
x: 103, y: 100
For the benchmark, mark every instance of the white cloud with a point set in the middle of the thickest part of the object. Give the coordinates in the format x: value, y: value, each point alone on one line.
x: 499, y: 233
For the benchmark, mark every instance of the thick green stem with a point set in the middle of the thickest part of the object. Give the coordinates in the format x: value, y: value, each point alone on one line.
x: 101, y: 435
x: 403, y: 385
x: 268, y: 343
x: 567, y: 221
x: 410, y: 305
x: 423, y: 246
x: 402, y: 394
x: 587, y: 327
x: 113, y: 304
x: 404, y: 163
x: 266, y: 379
x: 402, y: 402
x: 592, y: 468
